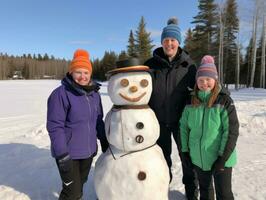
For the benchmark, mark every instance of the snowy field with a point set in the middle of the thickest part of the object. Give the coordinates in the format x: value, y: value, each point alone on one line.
x: 27, y: 170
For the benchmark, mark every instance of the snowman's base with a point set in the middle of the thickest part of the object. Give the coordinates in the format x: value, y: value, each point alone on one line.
x: 142, y: 175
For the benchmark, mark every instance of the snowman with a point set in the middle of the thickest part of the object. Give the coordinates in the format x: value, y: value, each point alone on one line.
x: 133, y: 167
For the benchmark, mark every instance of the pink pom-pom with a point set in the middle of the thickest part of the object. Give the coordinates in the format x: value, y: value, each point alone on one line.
x: 207, y: 59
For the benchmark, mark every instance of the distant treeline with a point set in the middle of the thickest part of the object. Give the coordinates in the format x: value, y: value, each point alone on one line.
x: 215, y: 32
x: 32, y: 67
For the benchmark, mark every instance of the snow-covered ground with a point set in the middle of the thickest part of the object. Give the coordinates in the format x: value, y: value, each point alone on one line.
x: 27, y: 170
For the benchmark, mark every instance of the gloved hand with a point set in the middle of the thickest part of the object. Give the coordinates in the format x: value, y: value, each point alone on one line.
x: 64, y: 163
x: 104, y: 145
x: 218, y: 165
x: 186, y: 159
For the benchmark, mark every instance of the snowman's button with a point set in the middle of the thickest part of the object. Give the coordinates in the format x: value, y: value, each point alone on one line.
x: 139, y: 139
x: 142, y: 176
x: 140, y: 125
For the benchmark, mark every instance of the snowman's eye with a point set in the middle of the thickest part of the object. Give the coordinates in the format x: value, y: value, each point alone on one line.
x: 144, y: 83
x: 124, y: 82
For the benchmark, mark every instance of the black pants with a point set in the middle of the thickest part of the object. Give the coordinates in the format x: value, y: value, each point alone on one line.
x: 73, y: 180
x: 222, y: 182
x: 189, y: 177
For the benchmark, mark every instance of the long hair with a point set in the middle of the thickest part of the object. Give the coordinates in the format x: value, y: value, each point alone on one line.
x: 214, y: 93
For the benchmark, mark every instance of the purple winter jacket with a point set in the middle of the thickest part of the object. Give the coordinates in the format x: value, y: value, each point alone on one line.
x: 74, y: 120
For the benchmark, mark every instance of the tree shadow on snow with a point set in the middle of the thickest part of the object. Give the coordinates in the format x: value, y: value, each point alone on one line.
x: 29, y: 170
x: 176, y: 195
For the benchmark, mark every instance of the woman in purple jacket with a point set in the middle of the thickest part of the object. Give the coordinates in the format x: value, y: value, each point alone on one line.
x: 74, y: 121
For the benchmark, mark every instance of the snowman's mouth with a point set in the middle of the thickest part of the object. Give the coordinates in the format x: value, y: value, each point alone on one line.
x: 135, y: 99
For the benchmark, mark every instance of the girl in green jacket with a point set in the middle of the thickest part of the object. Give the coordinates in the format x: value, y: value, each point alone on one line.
x: 209, y: 130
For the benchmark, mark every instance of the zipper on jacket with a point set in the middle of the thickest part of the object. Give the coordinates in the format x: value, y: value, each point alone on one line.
x: 87, y: 98
x: 203, y: 115
x: 167, y: 92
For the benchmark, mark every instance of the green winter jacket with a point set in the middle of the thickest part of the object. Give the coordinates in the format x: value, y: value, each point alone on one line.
x: 207, y: 133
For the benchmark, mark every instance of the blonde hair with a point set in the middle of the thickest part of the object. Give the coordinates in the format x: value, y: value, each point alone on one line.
x: 214, y: 93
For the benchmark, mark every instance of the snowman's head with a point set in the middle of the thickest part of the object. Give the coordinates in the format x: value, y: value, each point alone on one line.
x: 130, y: 88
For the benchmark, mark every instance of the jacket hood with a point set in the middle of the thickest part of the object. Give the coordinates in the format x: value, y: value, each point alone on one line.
x: 71, y: 85
x: 224, y: 90
x: 181, y: 57
x: 202, y: 95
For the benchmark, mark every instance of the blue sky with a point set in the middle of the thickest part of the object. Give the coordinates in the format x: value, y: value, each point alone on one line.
x: 59, y: 27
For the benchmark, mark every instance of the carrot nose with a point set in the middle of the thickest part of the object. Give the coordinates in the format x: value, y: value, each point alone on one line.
x: 133, y: 89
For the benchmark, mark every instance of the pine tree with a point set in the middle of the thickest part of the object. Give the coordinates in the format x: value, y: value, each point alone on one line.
x: 29, y: 56
x: 205, y: 29
x: 96, y: 69
x: 107, y: 63
x: 39, y: 57
x: 123, y: 55
x: 45, y: 57
x: 143, y: 42
x: 231, y: 29
x: 190, y: 45
x: 131, y: 47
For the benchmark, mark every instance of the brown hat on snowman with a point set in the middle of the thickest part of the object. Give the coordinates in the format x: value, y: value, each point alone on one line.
x: 132, y: 64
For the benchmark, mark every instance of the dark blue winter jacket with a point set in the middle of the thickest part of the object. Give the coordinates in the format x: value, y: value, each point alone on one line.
x: 74, y: 120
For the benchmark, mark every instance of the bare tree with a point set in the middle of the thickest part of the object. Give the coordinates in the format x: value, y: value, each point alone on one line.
x: 262, y: 74
x: 220, y: 64
x: 254, y: 43
x: 237, y: 64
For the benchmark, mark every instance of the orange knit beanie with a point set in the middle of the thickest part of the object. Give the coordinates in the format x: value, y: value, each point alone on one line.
x: 81, y: 59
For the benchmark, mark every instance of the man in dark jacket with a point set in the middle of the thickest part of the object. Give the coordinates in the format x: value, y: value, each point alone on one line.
x: 173, y: 74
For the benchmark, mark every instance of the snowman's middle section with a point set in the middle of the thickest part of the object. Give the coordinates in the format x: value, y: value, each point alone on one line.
x: 131, y: 129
